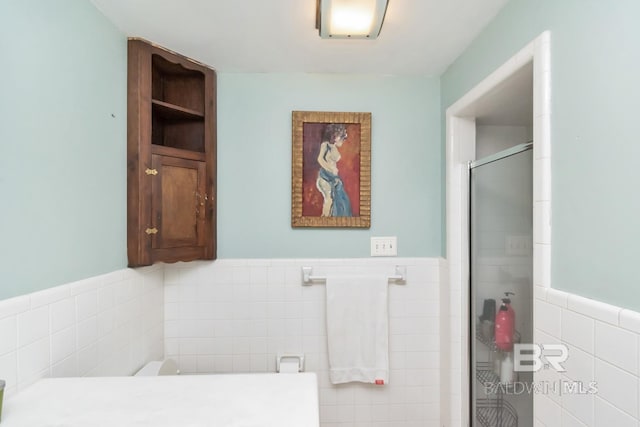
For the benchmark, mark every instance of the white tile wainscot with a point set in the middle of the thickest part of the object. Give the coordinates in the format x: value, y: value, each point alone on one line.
x: 105, y: 325
x: 604, y: 348
x: 236, y: 315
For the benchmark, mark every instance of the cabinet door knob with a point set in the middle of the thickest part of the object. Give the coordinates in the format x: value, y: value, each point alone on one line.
x: 151, y: 230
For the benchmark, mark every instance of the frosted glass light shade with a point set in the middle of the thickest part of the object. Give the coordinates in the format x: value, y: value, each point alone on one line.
x: 351, y: 18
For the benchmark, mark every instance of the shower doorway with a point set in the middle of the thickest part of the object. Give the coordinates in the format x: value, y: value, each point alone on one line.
x: 501, y: 274
x: 462, y: 147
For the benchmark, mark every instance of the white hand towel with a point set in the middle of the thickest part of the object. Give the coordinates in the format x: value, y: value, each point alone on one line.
x: 358, y: 329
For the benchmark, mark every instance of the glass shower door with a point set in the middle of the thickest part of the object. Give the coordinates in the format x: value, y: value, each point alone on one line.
x: 501, y: 286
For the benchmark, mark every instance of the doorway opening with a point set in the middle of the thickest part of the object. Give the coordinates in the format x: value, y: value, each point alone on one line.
x: 488, y: 113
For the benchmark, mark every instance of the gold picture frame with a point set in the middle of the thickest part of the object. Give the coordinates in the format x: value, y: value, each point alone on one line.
x: 331, y: 169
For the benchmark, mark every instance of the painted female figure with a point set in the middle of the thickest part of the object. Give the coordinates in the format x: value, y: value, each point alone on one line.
x: 336, y: 201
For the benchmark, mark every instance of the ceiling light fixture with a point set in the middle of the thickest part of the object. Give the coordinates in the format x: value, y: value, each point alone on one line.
x: 356, y: 19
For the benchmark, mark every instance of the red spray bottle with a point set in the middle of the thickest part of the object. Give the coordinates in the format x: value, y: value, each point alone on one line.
x: 505, y: 324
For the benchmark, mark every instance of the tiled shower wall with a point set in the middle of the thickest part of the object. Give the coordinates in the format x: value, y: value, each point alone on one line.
x: 105, y: 325
x: 601, y: 385
x: 237, y: 315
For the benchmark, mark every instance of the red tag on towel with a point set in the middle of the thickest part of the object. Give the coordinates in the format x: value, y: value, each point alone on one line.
x: 379, y: 382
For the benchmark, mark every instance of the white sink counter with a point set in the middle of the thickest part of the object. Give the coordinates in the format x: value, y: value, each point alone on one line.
x: 181, y: 400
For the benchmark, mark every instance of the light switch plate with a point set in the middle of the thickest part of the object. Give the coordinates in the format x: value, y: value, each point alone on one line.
x: 384, y: 246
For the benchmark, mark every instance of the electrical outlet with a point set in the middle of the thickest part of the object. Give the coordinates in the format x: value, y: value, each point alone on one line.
x: 384, y: 246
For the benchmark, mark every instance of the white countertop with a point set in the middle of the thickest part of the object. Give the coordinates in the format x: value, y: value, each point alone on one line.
x: 180, y: 400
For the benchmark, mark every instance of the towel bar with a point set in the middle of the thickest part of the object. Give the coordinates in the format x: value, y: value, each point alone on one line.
x: 308, y: 279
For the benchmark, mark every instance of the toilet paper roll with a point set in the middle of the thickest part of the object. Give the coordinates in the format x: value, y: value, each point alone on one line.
x: 289, y: 367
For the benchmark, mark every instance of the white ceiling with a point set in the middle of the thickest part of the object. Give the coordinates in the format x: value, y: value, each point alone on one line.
x: 419, y: 37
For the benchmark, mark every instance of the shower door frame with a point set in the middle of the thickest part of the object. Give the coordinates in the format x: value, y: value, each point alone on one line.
x: 460, y: 150
x: 496, y: 157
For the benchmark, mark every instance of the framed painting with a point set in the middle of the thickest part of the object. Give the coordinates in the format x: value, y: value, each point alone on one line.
x: 331, y: 169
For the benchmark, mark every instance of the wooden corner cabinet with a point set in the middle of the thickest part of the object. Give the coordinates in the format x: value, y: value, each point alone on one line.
x: 171, y: 157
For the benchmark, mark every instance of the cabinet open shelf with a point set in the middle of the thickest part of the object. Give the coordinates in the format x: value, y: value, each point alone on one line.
x: 170, y: 111
x: 177, y: 102
x: 177, y: 128
x: 177, y: 83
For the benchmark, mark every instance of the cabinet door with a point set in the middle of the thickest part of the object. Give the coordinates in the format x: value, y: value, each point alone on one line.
x: 178, y: 207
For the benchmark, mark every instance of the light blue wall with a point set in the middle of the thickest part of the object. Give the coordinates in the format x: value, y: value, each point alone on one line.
x: 63, y: 174
x: 62, y: 144
x: 63, y: 159
x: 594, y: 131
x: 254, y: 167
